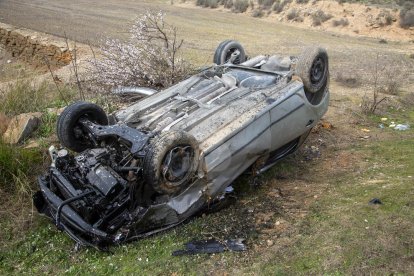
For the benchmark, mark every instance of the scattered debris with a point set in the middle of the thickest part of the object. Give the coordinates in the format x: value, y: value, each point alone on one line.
x: 269, y: 243
x: 384, y: 119
x: 381, y: 126
x: 210, y: 247
x: 21, y: 126
x: 402, y: 127
x: 392, y: 125
x: 365, y: 130
x: 311, y: 153
x: 375, y: 201
x: 327, y: 125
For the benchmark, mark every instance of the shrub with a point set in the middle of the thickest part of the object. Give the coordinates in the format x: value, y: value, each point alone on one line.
x: 388, y: 75
x: 257, y: 13
x: 240, y: 6
x: 319, y: 17
x: 341, y: 22
x: 385, y: 18
x: 407, y: 15
x: 280, y: 5
x: 302, y: 1
x: 150, y: 57
x: 266, y: 3
x: 348, y: 79
x: 294, y: 15
x: 208, y: 3
x: 228, y: 4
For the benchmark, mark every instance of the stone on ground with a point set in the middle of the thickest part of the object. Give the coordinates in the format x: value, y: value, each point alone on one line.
x: 21, y: 127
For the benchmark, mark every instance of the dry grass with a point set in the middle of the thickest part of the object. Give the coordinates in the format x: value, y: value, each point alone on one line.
x: 25, y: 96
x: 407, y: 15
x: 294, y: 15
x: 340, y: 22
x: 348, y: 79
x: 320, y: 17
x: 4, y: 122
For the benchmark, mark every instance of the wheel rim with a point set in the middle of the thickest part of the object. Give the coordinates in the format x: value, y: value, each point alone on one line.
x: 317, y: 72
x: 229, y: 53
x: 177, y: 164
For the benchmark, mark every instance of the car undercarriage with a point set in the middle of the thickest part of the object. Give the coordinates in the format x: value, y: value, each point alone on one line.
x: 154, y: 164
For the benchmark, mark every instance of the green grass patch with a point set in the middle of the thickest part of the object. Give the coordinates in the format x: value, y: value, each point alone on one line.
x: 23, y: 96
x: 17, y: 166
x: 344, y: 233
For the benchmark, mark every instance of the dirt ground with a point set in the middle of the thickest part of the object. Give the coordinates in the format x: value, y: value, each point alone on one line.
x: 361, y: 20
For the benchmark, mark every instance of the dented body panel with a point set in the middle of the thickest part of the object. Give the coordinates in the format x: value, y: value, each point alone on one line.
x: 238, y: 115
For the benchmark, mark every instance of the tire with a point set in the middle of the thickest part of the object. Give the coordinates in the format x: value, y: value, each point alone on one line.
x: 224, y: 51
x: 313, y: 68
x: 163, y: 167
x: 68, y: 130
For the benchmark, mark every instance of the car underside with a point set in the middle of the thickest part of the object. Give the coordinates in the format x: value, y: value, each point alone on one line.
x: 154, y: 164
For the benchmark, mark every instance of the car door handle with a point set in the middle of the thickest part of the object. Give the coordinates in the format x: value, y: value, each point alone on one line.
x: 310, y: 122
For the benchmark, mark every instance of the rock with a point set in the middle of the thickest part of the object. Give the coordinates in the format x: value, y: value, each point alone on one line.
x: 55, y: 110
x: 21, y: 127
x: 269, y: 242
x: 32, y: 145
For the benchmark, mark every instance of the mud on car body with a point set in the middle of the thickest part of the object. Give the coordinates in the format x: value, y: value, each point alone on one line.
x: 159, y: 161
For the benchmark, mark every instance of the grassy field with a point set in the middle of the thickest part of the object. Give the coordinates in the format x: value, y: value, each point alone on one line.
x: 308, y: 215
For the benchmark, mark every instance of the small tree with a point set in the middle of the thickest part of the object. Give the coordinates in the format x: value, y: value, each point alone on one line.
x: 150, y: 57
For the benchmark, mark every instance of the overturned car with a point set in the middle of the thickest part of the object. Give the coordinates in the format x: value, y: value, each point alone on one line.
x: 154, y: 164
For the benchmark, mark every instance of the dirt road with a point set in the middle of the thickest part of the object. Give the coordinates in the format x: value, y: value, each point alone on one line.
x: 203, y: 29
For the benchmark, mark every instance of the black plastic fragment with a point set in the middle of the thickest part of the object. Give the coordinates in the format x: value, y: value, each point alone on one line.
x: 375, y: 201
x: 210, y: 247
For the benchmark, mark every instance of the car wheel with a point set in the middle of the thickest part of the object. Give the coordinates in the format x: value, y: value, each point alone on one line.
x: 226, y: 49
x: 313, y: 68
x: 69, y: 131
x: 171, y: 162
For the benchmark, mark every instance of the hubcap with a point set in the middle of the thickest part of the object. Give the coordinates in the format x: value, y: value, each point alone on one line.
x: 317, y: 71
x: 177, y: 164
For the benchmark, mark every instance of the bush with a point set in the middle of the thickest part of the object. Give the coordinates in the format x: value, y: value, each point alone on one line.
x: 150, y: 57
x: 257, y: 13
x: 341, y: 22
x: 240, y: 6
x: 208, y: 3
x: 407, y: 15
x: 280, y: 5
x: 319, y: 17
x: 348, y: 79
x: 385, y: 18
x: 388, y: 76
x: 266, y: 3
x: 302, y: 1
x: 294, y: 15
x: 228, y: 4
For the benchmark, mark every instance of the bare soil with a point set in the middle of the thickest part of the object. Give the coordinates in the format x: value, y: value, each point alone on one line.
x: 378, y: 22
